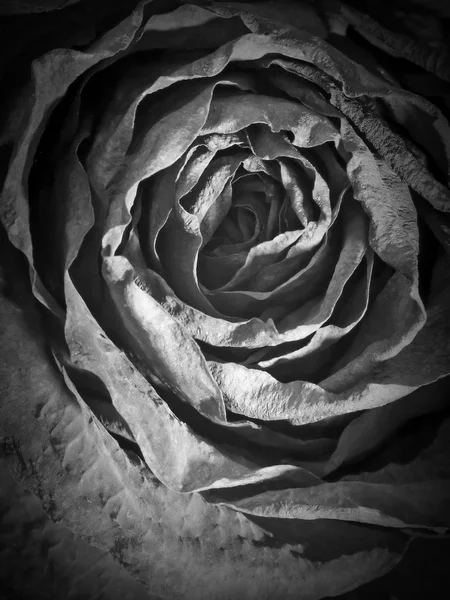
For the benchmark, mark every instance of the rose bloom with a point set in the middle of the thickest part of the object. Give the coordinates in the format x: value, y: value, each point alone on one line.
x: 226, y: 300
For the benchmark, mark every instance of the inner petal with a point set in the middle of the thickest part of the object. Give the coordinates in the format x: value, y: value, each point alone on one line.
x: 243, y: 227
x: 299, y: 276
x: 306, y: 360
x: 231, y: 113
x: 181, y: 238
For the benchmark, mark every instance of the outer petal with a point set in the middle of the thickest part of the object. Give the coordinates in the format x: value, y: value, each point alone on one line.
x: 86, y: 481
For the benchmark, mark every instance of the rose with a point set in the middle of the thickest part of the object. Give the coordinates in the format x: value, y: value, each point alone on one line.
x: 118, y: 191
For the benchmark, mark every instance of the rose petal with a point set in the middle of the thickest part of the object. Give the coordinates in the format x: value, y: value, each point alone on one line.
x: 181, y: 239
x: 101, y: 494
x: 52, y: 75
x: 348, y: 312
x: 397, y: 44
x: 368, y: 431
x: 232, y: 114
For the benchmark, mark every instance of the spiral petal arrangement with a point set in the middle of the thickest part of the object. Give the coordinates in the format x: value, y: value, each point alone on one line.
x: 235, y: 308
